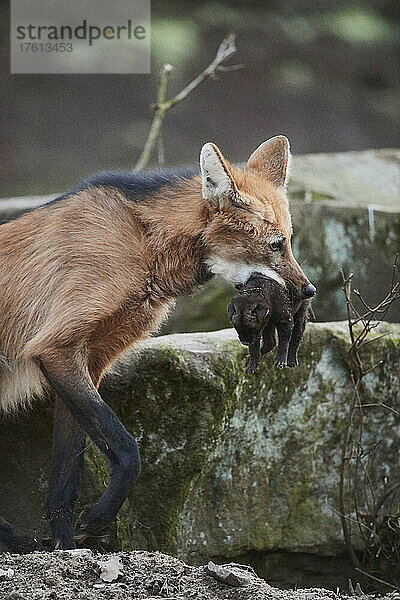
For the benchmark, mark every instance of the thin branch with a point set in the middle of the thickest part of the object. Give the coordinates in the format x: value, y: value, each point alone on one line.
x: 376, y: 578
x: 359, y: 474
x: 156, y: 125
x: 225, y: 50
x: 394, y: 272
x: 386, y: 495
x: 160, y: 151
x: 380, y: 362
x: 393, y: 410
x: 375, y: 339
x: 343, y: 513
x: 230, y: 68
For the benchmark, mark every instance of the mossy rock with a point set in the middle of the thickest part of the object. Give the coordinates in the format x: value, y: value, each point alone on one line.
x: 232, y: 463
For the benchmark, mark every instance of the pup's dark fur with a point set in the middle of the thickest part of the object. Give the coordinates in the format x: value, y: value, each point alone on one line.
x: 262, y: 306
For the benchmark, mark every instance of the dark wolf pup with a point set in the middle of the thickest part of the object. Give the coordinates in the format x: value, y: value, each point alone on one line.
x: 96, y: 270
x: 262, y: 306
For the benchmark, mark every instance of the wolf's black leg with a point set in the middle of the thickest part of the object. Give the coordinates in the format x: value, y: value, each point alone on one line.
x: 300, y: 322
x: 15, y: 541
x: 68, y: 453
x: 284, y: 329
x: 73, y: 385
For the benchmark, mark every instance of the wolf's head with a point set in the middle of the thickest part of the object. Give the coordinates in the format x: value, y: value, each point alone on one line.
x: 251, y: 228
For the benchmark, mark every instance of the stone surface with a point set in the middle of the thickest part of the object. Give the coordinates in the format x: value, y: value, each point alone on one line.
x: 346, y: 213
x: 350, y: 179
x: 232, y: 464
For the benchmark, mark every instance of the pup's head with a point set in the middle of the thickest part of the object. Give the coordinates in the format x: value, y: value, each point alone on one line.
x: 248, y: 317
x: 251, y: 228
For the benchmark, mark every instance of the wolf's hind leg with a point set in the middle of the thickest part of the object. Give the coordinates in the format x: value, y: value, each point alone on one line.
x: 67, y: 464
x: 300, y: 322
x: 285, y: 329
x: 71, y: 381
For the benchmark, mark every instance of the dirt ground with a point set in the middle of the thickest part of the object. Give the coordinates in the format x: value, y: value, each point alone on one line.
x: 81, y: 574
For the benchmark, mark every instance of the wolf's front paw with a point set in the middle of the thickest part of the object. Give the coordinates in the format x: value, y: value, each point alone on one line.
x: 251, y: 368
x: 292, y: 361
x: 89, y: 521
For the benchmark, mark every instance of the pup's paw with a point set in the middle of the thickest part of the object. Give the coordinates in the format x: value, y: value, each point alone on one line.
x: 292, y: 362
x: 280, y: 363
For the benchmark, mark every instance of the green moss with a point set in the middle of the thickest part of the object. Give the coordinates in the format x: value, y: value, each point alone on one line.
x: 175, y: 406
x: 235, y: 462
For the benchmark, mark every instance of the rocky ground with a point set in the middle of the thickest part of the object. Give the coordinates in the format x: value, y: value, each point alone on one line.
x: 85, y: 575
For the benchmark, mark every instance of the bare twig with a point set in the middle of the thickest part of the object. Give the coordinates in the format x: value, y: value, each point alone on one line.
x: 376, y: 578
x: 225, y: 50
x: 389, y: 408
x: 160, y: 151
x: 230, y: 68
x: 396, y: 258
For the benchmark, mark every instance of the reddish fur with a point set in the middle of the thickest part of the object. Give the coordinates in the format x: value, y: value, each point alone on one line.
x: 95, y: 273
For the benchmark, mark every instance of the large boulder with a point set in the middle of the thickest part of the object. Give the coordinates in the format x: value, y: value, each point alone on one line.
x: 231, y: 463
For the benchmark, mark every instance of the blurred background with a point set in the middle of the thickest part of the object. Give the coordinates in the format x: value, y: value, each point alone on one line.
x: 325, y: 73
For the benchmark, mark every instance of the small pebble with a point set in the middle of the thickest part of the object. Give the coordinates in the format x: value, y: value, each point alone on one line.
x: 79, y: 552
x: 9, y: 574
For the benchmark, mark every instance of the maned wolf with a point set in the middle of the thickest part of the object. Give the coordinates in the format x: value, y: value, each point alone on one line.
x: 262, y: 306
x: 96, y: 270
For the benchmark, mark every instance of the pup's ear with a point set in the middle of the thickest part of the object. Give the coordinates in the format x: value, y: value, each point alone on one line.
x: 272, y: 158
x: 261, y: 312
x: 217, y: 180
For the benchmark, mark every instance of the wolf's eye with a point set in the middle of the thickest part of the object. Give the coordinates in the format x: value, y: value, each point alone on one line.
x: 276, y: 245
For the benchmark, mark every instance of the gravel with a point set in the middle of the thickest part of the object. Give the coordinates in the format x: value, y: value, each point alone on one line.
x: 77, y: 575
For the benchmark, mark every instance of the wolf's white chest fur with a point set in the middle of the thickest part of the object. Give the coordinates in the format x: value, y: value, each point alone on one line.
x: 239, y: 272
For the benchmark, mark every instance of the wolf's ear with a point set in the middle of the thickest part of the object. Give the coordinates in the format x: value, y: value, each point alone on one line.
x: 272, y: 158
x: 217, y: 180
